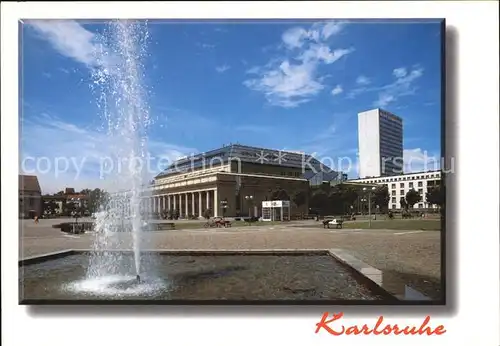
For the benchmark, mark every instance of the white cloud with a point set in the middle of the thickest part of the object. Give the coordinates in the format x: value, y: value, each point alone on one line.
x: 402, y: 86
x: 289, y: 85
x: 71, y: 40
x: 337, y: 90
x: 332, y: 28
x: 399, y: 72
x: 327, y: 133
x: 223, y: 68
x: 419, y: 160
x: 295, y: 37
x: 363, y: 80
x: 206, y: 45
x: 290, y: 81
x: 102, y: 55
x: 322, y: 53
x: 298, y: 36
x: 80, y: 154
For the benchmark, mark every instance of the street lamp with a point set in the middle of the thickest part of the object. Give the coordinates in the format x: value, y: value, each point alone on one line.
x: 75, y: 208
x: 223, y: 205
x: 249, y: 198
x: 369, y: 205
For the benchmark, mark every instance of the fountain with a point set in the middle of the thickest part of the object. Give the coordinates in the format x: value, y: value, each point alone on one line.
x: 121, y: 97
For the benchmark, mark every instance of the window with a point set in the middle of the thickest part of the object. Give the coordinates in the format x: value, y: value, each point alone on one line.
x: 420, y: 184
x: 393, y: 193
x: 420, y: 205
x: 402, y: 185
x: 402, y: 192
x: 393, y: 206
x: 420, y: 191
x: 411, y: 185
x: 393, y: 186
x: 393, y: 199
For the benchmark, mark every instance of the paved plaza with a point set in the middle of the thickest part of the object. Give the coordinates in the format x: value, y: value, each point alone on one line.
x: 413, y: 255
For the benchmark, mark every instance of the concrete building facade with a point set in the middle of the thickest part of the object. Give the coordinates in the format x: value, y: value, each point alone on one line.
x: 380, y: 141
x: 239, y: 176
x: 399, y: 185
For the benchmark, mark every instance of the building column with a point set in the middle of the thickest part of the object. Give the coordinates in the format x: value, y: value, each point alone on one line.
x: 216, y: 203
x: 186, y: 204
x: 207, y: 197
x: 200, y: 209
x: 168, y: 202
x: 193, y: 209
x: 174, y: 199
x: 180, y: 205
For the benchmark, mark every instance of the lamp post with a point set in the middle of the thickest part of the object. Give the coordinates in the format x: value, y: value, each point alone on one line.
x: 369, y: 205
x: 223, y: 205
x: 249, y: 199
x: 77, y: 208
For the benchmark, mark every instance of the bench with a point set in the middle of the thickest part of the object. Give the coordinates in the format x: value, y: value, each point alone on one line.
x: 334, y: 222
x: 217, y: 223
x: 75, y: 228
x: 250, y: 220
x: 225, y: 223
x: 163, y: 226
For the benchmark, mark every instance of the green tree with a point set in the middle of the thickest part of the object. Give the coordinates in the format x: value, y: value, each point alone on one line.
x: 341, y: 198
x: 279, y: 194
x: 207, y: 213
x: 68, y: 208
x: 300, y: 198
x: 319, y: 201
x: 435, y: 196
x: 381, y: 198
x: 50, y: 206
x: 403, y: 203
x: 349, y: 197
x: 97, y: 197
x: 412, y: 198
x: 334, y: 204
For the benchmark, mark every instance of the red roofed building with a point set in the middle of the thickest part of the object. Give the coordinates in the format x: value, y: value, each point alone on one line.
x: 30, y: 197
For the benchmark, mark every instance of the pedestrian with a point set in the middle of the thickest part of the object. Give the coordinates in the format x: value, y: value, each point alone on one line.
x: 36, y: 219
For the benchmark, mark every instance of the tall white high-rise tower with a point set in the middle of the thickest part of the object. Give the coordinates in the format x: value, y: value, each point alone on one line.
x: 380, y: 140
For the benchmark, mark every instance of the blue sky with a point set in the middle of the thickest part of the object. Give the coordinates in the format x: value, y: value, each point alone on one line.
x: 283, y: 85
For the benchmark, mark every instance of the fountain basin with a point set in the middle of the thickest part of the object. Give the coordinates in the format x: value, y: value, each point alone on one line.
x: 216, y: 276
